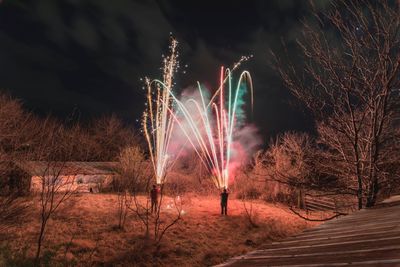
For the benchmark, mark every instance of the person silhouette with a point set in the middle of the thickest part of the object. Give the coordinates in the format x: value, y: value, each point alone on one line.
x: 224, y: 202
x: 154, y: 198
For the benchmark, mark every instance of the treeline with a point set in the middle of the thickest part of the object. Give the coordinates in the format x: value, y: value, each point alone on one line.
x: 298, y: 162
x: 26, y: 136
x: 349, y: 79
x: 23, y: 133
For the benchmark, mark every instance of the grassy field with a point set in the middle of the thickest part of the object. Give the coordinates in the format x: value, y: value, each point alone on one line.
x: 84, y: 233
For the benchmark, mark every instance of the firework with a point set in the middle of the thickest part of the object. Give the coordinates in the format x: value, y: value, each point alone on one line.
x: 210, y: 126
x: 158, y: 122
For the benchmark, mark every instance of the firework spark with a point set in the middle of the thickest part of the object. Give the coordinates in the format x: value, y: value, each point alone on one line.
x: 210, y: 126
x: 158, y: 121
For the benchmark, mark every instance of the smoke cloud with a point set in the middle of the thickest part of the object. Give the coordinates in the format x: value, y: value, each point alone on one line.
x: 196, y: 129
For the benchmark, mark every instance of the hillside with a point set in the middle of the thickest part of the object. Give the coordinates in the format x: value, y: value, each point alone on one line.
x: 84, y: 233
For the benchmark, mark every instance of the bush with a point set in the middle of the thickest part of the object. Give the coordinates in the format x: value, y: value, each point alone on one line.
x: 278, y: 192
x: 134, y: 171
x: 8, y: 258
x: 247, y: 188
x: 181, y: 183
x: 249, y: 193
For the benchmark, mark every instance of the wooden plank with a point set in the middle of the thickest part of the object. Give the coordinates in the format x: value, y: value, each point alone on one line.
x: 333, y: 237
x: 389, y: 226
x: 387, y: 262
x: 365, y: 225
x: 326, y: 253
x: 368, y: 237
x: 363, y: 242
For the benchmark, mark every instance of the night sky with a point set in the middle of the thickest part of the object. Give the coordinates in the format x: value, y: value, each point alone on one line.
x: 86, y: 58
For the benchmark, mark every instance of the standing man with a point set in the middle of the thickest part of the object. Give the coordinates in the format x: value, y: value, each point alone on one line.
x: 154, y: 199
x: 224, y: 202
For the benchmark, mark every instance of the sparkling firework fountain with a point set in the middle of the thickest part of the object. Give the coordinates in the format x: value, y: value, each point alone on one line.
x: 210, y: 126
x: 158, y: 122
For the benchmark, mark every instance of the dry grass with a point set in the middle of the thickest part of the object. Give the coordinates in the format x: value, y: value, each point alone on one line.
x: 83, y: 233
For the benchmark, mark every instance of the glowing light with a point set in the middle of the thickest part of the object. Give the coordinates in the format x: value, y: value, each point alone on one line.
x: 157, y: 118
x: 210, y: 127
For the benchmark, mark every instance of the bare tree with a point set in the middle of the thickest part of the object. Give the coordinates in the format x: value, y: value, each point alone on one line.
x: 83, y: 145
x: 290, y: 162
x: 136, y: 171
x: 163, y: 221
x: 288, y: 159
x: 17, y: 132
x: 56, y: 176
x: 122, y: 202
x: 288, y: 165
x: 132, y: 179
x: 351, y: 84
x: 110, y: 137
x: 12, y: 209
x: 157, y: 224
x: 248, y: 185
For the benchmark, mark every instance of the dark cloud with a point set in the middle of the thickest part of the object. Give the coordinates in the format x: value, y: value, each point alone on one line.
x: 89, y: 55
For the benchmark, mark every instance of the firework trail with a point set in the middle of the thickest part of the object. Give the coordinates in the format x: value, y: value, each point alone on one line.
x: 158, y: 122
x: 210, y: 126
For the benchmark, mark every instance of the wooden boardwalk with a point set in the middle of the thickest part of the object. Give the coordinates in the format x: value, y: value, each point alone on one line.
x: 370, y: 237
